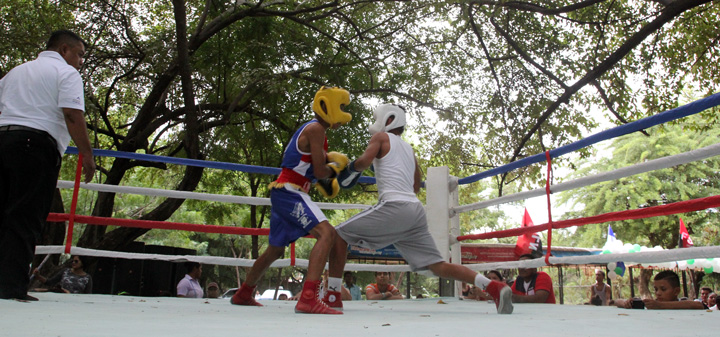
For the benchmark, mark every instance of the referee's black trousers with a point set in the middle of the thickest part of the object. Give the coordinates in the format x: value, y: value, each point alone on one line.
x: 29, y: 168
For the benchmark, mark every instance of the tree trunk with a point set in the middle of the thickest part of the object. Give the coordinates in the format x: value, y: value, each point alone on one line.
x: 643, y: 284
x: 120, y: 237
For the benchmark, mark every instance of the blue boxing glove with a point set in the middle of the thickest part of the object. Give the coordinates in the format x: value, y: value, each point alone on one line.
x: 348, y: 177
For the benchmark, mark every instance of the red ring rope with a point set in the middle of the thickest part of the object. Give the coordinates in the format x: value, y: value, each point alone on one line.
x: 549, y: 207
x: 101, y: 221
x: 641, y: 213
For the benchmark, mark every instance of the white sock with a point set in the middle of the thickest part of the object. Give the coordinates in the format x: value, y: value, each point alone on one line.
x: 481, y: 281
x: 334, y: 283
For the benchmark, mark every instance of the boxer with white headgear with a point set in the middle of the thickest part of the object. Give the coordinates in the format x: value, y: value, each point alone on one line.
x: 399, y: 217
x: 383, y: 113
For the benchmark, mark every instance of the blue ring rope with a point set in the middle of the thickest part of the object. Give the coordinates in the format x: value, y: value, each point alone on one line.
x: 193, y: 162
x: 663, y: 117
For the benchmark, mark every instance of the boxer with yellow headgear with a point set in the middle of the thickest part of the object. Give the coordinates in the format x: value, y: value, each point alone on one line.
x: 328, y: 105
x: 333, y: 100
x: 293, y: 214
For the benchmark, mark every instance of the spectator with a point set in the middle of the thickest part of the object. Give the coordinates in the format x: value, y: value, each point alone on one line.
x: 466, y: 291
x: 600, y: 289
x: 478, y: 294
x: 189, y: 286
x: 495, y: 275
x: 213, y: 291
x: 382, y: 289
x: 704, y: 295
x: 712, y: 301
x: 344, y: 293
x: 355, y: 292
x: 42, y: 103
x: 532, y: 286
x: 667, y: 289
x: 73, y: 280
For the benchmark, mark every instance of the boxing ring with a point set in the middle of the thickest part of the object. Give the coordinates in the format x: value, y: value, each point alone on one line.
x: 442, y: 207
x: 423, y: 317
x: 105, y: 315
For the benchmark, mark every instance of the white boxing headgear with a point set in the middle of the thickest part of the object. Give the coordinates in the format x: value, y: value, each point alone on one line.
x: 382, y: 113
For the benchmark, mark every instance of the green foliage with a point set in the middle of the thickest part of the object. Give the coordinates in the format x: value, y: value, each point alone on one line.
x: 476, y: 79
x: 26, y: 26
x: 689, y: 181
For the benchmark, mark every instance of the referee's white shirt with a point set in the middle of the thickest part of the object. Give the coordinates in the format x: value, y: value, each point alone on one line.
x: 34, y: 93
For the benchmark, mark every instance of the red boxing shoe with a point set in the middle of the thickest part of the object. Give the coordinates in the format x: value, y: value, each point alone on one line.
x: 309, y: 302
x: 502, y: 294
x: 333, y: 300
x: 244, y: 296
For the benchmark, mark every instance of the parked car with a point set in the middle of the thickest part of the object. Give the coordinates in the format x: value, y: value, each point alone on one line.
x: 229, y: 293
x: 266, y: 295
x: 270, y: 294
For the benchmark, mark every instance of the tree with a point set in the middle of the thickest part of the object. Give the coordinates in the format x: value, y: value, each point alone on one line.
x: 503, y: 79
x: 689, y: 181
x: 523, y: 75
x: 255, y: 92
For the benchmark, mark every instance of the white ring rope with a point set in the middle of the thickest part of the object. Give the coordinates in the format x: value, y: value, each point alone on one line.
x: 216, y: 260
x: 155, y: 192
x: 652, y: 165
x: 669, y: 255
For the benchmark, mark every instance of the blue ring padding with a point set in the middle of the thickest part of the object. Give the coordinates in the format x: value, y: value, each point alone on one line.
x: 193, y: 162
x: 663, y: 117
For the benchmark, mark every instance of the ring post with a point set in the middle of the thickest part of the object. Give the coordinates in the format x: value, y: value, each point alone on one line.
x: 455, y: 246
x: 438, y: 208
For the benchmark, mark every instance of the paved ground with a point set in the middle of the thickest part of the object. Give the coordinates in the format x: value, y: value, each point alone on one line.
x: 103, y: 315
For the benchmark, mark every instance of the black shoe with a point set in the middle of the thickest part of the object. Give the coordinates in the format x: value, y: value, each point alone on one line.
x: 29, y: 298
x: 24, y: 298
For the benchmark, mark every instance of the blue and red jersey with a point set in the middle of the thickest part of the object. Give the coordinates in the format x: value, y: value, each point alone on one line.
x: 297, y: 168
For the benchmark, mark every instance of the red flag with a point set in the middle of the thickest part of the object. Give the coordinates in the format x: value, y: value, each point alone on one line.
x: 528, y: 243
x: 685, y: 240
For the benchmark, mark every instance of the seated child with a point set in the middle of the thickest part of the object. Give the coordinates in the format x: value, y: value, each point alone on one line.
x: 667, y: 289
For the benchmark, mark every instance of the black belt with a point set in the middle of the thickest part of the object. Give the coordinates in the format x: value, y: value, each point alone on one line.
x: 8, y: 128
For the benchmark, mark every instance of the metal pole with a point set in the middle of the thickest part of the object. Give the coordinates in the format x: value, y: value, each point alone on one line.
x: 407, y: 283
x: 609, y: 280
x: 560, y: 277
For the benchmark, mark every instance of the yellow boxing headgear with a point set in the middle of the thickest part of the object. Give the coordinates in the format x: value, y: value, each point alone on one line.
x: 333, y: 98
